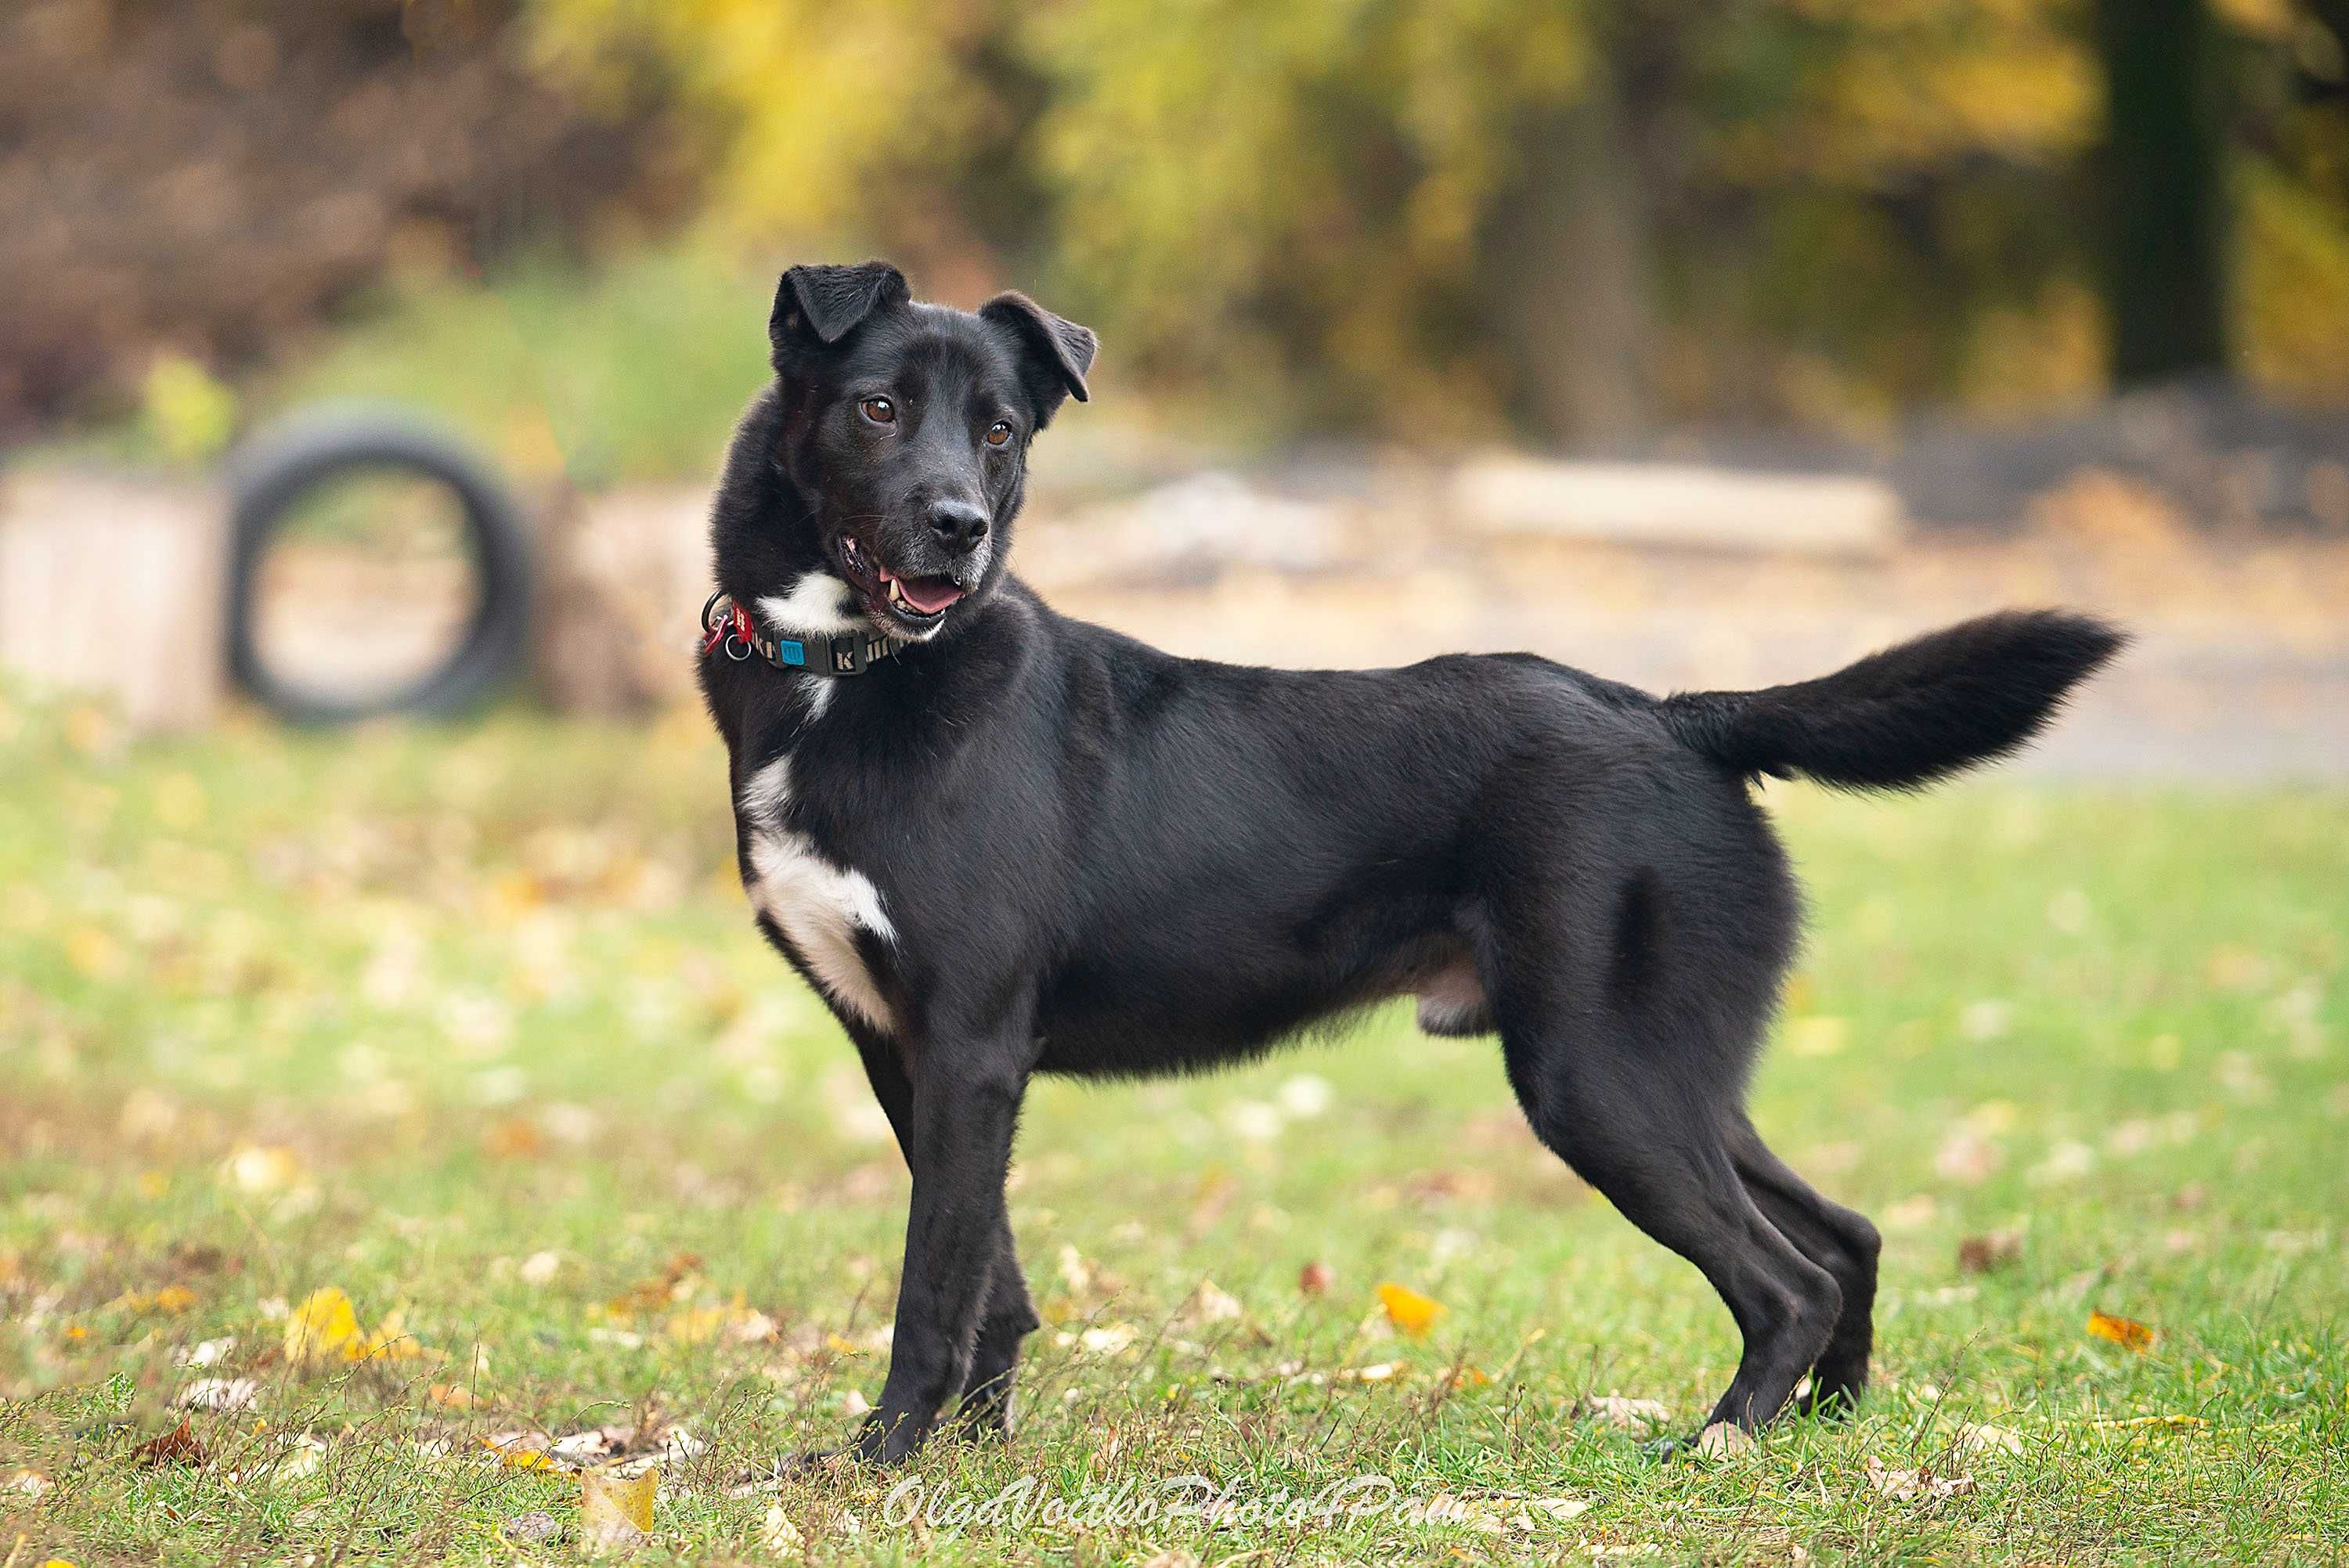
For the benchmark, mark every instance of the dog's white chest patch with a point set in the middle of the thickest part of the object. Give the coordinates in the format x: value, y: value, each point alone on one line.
x: 817, y: 904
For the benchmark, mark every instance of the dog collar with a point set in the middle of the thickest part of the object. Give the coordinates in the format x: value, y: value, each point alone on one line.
x: 728, y: 628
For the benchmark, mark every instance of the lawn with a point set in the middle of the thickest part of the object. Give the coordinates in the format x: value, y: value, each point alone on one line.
x: 467, y: 1029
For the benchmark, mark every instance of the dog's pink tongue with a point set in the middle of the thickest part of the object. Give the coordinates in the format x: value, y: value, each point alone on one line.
x: 929, y: 594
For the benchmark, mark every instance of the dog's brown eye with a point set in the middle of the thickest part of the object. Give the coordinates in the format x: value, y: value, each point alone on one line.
x: 880, y: 410
x: 998, y: 432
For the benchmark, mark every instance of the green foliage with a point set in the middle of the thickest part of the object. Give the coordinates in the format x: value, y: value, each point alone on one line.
x: 188, y: 414
x: 635, y: 371
x: 1843, y: 207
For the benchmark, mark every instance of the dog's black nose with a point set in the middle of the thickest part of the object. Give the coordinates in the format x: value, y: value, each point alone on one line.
x: 959, y: 523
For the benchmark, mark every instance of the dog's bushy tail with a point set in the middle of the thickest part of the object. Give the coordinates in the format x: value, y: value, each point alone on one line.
x: 1908, y: 716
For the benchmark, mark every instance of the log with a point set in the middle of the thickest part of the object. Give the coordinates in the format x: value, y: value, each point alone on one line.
x: 116, y: 587
x: 1680, y: 506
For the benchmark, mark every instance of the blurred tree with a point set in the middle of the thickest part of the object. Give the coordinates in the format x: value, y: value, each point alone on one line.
x: 1566, y: 219
x: 2166, y: 226
x: 1304, y: 195
x: 891, y: 121
x: 209, y: 179
x: 1572, y: 219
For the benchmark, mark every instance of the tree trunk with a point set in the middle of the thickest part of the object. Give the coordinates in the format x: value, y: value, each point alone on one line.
x: 1567, y: 275
x: 2165, y: 220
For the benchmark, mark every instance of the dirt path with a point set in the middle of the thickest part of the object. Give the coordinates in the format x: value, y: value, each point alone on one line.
x: 2239, y: 670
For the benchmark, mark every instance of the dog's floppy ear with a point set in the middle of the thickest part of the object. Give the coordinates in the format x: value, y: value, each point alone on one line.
x: 818, y: 306
x: 1055, y: 353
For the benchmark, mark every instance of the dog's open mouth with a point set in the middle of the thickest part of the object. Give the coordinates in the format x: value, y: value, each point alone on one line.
x: 918, y: 601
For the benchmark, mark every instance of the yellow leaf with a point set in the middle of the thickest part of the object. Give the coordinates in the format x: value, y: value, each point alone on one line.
x: 174, y: 1299
x: 1817, y: 1035
x: 324, y: 1325
x: 262, y: 1171
x: 91, y: 951
x: 697, y: 1325
x: 1413, y: 1312
x: 2131, y: 1423
x: 2122, y: 1331
x: 390, y: 1341
x: 613, y: 1512
x: 515, y: 1452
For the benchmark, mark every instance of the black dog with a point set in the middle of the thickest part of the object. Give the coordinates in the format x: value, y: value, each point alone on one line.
x: 999, y: 842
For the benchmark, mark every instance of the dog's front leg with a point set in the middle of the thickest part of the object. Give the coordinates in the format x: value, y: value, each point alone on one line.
x: 1008, y: 1315
x: 965, y: 1109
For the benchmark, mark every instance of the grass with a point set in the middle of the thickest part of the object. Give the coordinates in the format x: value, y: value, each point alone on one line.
x: 470, y: 1026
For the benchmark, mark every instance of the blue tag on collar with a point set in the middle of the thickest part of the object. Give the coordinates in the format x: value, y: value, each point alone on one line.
x: 790, y: 653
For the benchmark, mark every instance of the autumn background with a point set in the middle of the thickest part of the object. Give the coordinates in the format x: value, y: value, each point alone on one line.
x: 410, y: 1147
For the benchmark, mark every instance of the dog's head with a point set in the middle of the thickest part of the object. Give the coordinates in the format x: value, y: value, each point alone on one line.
x: 903, y: 428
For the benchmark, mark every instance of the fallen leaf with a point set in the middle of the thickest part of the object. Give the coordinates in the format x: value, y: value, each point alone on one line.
x: 778, y: 1535
x: 2125, y: 1332
x: 532, y: 1529
x: 1212, y: 1303
x: 1817, y: 1035
x: 29, y: 1482
x: 1990, y: 1253
x: 514, y: 1138
x: 1723, y: 1438
x: 1108, y: 1339
x: 1980, y: 1437
x: 615, y: 1514
x: 1632, y: 1414
x: 262, y: 1171
x: 324, y: 1326
x: 652, y: 1295
x: 1968, y: 1157
x: 586, y: 1449
x: 1408, y: 1310
x: 695, y: 1326
x: 391, y: 1342
x: 177, y: 1447
x: 1316, y: 1278
x: 1909, y: 1485
x: 449, y: 1396
x: 1075, y: 1272
x: 219, y: 1394
x: 308, y: 1454
x: 520, y: 1450
x: 1559, y: 1508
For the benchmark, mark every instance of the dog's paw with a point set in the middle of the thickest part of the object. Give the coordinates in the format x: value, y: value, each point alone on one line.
x: 1719, y: 1440
x: 814, y: 1464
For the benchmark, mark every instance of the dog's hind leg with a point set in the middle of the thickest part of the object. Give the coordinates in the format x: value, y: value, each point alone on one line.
x: 1836, y: 1238
x: 1614, y: 1110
